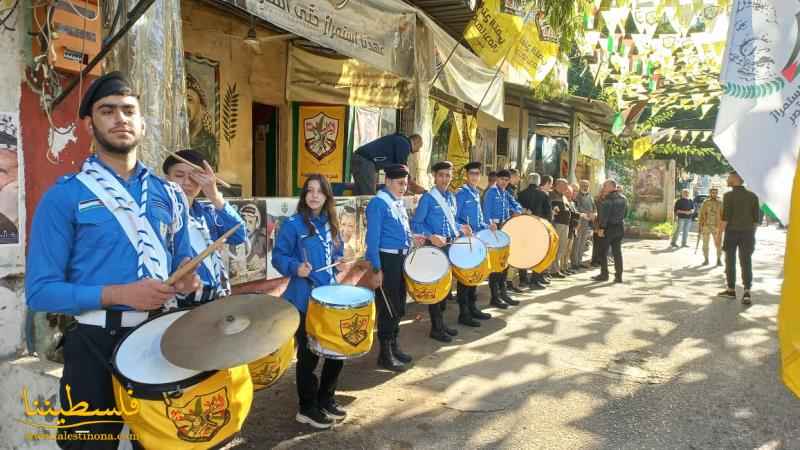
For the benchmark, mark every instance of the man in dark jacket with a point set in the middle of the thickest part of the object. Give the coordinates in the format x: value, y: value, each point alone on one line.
x: 740, y: 217
x: 562, y: 217
x: 611, y: 227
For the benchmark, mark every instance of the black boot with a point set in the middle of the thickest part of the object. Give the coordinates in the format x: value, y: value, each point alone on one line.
x: 504, y: 293
x: 495, y: 290
x: 387, y: 360
x: 437, y: 327
x: 448, y: 330
x: 398, y: 354
x: 472, y: 303
x: 464, y: 313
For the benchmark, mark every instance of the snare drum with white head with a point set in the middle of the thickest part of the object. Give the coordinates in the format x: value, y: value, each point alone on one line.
x: 470, y: 259
x: 167, y: 406
x: 498, y: 243
x: 427, y: 274
x: 339, y: 321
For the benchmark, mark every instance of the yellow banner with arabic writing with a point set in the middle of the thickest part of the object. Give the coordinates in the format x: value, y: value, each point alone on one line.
x: 537, y: 50
x: 491, y: 33
x: 320, y: 142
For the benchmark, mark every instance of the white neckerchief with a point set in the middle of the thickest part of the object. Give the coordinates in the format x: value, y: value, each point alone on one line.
x: 398, y: 210
x: 327, y: 242
x: 477, y: 197
x: 200, y: 239
x: 130, y: 215
x: 449, y: 209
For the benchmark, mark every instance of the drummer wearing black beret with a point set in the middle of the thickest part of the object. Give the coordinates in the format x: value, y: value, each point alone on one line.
x: 499, y: 206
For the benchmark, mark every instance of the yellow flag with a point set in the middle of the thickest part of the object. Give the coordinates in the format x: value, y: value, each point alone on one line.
x: 491, y: 33
x: 789, y: 312
x: 642, y: 146
x: 537, y: 50
x: 439, y: 116
x: 457, y: 151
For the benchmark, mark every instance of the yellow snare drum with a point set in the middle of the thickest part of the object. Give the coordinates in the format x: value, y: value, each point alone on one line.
x: 470, y: 260
x: 266, y: 371
x: 427, y: 274
x: 339, y: 321
x: 552, y: 249
x: 498, y: 243
x: 166, y: 406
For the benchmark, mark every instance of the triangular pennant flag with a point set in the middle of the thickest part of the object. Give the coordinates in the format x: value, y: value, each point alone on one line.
x: 619, y: 125
x: 642, y: 146
x: 683, y: 134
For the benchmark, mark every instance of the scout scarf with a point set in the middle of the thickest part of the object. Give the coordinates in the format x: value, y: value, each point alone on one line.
x: 448, y: 209
x: 398, y: 210
x: 200, y: 239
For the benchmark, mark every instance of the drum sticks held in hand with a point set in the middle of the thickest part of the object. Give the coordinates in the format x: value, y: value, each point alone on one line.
x: 196, y: 167
x: 197, y: 260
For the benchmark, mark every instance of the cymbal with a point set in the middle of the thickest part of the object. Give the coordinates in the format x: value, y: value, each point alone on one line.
x: 230, y: 332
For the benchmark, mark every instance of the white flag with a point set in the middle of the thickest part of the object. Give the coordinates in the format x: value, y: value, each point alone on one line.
x: 758, y: 125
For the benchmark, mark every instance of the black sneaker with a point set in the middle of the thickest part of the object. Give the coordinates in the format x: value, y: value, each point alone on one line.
x: 746, y: 298
x: 730, y: 293
x: 315, y: 418
x: 333, y: 411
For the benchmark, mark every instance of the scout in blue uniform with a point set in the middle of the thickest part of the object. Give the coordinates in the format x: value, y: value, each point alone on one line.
x: 499, y: 206
x: 101, y: 246
x: 435, y: 219
x: 388, y: 242
x: 207, y: 222
x: 469, y: 212
x: 307, y: 241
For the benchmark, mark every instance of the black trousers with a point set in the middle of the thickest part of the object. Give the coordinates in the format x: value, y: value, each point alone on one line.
x: 310, y: 391
x: 365, y: 175
x: 395, y: 288
x: 436, y: 311
x: 745, y: 243
x: 596, y: 242
x: 613, y: 238
x: 87, y: 373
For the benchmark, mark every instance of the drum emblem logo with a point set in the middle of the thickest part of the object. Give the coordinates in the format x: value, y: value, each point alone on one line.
x: 202, y: 417
x: 266, y: 374
x: 321, y: 132
x: 354, y: 329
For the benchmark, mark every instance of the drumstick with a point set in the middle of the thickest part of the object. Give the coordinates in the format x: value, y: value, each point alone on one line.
x: 386, y: 301
x: 336, y: 263
x: 196, y: 167
x: 197, y: 260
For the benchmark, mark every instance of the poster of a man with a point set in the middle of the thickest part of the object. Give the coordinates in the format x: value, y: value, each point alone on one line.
x: 9, y: 174
x: 248, y: 261
x: 202, y: 86
x: 649, y: 185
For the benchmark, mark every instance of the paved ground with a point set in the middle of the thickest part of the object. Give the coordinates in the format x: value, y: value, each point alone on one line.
x: 657, y: 362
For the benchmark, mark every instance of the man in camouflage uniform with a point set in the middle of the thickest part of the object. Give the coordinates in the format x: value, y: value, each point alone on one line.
x: 709, y: 219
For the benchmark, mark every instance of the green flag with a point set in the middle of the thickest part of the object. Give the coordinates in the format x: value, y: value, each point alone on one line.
x: 619, y: 125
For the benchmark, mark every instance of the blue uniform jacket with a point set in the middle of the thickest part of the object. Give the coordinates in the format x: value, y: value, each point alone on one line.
x: 76, y: 245
x: 498, y: 205
x: 429, y: 218
x: 218, y: 221
x: 384, y: 230
x: 468, y: 208
x: 288, y: 255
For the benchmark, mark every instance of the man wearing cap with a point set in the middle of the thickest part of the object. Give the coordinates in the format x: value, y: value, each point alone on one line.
x: 740, y: 217
x: 392, y: 149
x: 207, y: 222
x: 708, y: 222
x: 388, y: 242
x: 469, y: 212
x: 498, y: 207
x: 102, y: 244
x: 435, y: 219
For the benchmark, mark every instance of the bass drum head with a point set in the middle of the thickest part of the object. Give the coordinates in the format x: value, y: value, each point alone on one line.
x: 467, y: 253
x: 530, y: 241
x: 426, y: 264
x: 342, y: 296
x: 141, y: 365
x: 494, y: 239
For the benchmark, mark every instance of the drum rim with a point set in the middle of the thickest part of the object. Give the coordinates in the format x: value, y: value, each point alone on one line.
x: 428, y: 283
x: 490, y: 231
x: 150, y: 391
x: 344, y: 307
x: 475, y: 266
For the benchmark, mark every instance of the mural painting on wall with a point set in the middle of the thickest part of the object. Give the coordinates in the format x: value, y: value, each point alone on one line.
x: 248, y: 261
x: 321, y: 142
x: 649, y: 185
x: 278, y: 210
x: 9, y: 173
x: 202, y: 105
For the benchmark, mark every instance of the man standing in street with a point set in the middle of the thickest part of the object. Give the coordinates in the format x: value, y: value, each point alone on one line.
x: 611, y: 228
x: 684, y: 208
x: 739, y: 221
x: 561, y: 219
x: 385, y: 151
x: 709, y: 219
x: 584, y: 203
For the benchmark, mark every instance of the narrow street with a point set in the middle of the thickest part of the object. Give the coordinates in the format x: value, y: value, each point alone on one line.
x: 657, y: 362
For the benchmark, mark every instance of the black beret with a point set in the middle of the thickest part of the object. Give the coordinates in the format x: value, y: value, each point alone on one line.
x: 473, y: 165
x: 113, y: 83
x: 503, y: 173
x: 396, y: 171
x: 441, y: 165
x: 193, y: 156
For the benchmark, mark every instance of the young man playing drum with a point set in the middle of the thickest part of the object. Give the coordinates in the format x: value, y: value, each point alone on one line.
x: 102, y: 244
x: 307, y: 241
x: 388, y: 242
x: 498, y: 207
x: 207, y: 222
x: 469, y: 212
x: 435, y: 218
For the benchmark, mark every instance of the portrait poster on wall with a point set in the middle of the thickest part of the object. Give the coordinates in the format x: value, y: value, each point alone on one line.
x: 248, y: 261
x: 278, y: 210
x: 202, y: 105
x: 649, y: 185
x: 9, y: 174
x: 320, y: 142
x: 350, y: 227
